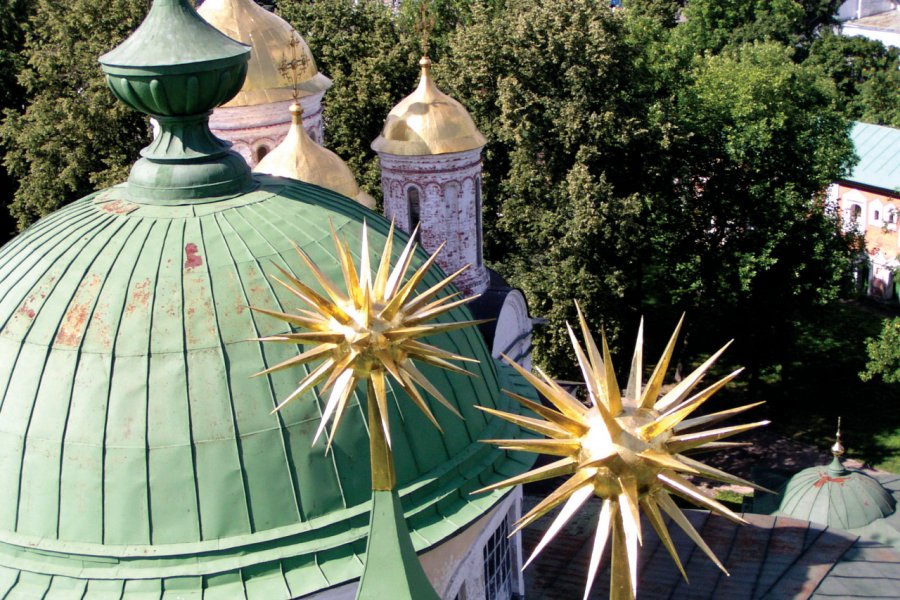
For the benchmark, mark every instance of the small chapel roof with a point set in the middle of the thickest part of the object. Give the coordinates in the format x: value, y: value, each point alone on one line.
x: 301, y: 158
x: 270, y: 38
x: 427, y: 122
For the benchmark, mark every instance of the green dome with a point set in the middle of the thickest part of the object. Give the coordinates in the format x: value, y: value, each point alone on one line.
x: 138, y: 455
x: 835, y: 496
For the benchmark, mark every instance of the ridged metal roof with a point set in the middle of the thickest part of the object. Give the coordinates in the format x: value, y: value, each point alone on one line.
x: 137, y: 454
x: 878, y: 148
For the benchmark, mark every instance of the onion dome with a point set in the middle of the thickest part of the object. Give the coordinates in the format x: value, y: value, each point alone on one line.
x: 138, y: 457
x: 428, y: 121
x: 835, y: 495
x: 270, y: 38
x: 300, y: 158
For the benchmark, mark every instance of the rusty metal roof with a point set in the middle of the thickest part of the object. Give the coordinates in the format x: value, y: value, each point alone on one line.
x: 138, y: 456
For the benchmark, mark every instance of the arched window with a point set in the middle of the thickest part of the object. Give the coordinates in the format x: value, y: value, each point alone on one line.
x: 875, y: 215
x: 855, y: 211
x: 261, y: 153
x: 415, y: 209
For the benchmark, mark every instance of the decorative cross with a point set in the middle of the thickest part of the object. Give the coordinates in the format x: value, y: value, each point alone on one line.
x: 424, y: 26
x: 291, y: 69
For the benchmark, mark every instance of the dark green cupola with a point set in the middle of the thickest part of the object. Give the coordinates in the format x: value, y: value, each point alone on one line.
x: 138, y: 457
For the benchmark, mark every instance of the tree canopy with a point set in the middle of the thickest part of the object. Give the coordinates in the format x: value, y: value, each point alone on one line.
x: 73, y: 136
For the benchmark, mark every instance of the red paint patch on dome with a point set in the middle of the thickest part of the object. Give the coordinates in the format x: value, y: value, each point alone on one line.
x: 192, y: 257
x: 826, y: 479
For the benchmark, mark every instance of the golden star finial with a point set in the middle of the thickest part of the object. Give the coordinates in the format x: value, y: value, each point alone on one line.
x: 625, y: 448
x: 368, y: 331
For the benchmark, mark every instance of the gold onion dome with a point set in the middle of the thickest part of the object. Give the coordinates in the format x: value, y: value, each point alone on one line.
x: 428, y: 121
x: 268, y: 36
x: 301, y: 158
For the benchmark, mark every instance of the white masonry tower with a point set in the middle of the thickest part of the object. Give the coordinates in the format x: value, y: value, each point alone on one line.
x: 430, y: 152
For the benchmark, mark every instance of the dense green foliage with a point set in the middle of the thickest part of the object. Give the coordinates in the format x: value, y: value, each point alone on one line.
x: 630, y: 165
x: 866, y: 73
x: 884, y: 354
x: 637, y: 162
x: 74, y: 136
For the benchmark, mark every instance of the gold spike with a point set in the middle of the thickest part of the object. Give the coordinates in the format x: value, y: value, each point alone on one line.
x: 308, y: 382
x: 576, y: 428
x: 633, y: 389
x: 654, y: 385
x: 410, y: 368
x: 578, y: 497
x: 327, y: 285
x: 666, y: 461
x: 714, y: 447
x: 401, y: 266
x: 536, y: 425
x: 429, y: 330
x: 384, y: 267
x: 551, y: 447
x: 339, y: 396
x: 564, y: 466
x: 420, y: 300
x: 680, y: 443
x: 719, y: 475
x: 314, y: 324
x: 684, y: 387
x: 557, y: 497
x: 691, y: 492
x: 608, y: 514
x: 715, y: 417
x: 656, y: 521
x: 675, y: 415
x: 671, y: 509
x: 620, y: 567
x: 300, y: 359
x: 613, y: 397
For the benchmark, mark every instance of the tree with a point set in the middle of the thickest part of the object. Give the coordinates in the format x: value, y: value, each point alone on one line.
x: 884, y: 354
x: 569, y: 157
x: 74, y: 136
x: 372, y: 61
x: 866, y: 73
x: 625, y: 169
x: 13, y: 17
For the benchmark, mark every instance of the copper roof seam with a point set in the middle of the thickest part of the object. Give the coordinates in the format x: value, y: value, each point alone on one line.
x: 59, y: 223
x: 203, y: 251
x: 295, y: 486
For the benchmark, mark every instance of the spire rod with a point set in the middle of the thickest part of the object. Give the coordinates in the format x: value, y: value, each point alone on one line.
x: 837, y: 450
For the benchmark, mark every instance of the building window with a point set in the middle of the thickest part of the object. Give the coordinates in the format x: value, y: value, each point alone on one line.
x: 478, y: 235
x: 498, y: 564
x: 261, y: 153
x: 412, y: 199
x: 875, y: 216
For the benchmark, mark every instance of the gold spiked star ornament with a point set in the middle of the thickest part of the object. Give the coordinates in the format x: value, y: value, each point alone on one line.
x: 365, y: 333
x: 626, y: 448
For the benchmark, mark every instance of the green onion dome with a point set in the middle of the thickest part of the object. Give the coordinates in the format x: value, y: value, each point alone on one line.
x: 139, y: 458
x: 835, y: 496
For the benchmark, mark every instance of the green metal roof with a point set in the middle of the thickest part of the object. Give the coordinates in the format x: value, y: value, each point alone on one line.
x: 878, y: 149
x: 835, y: 496
x: 137, y: 454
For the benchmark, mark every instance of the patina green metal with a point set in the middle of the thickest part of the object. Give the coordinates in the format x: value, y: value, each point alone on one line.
x: 176, y: 68
x: 392, y: 568
x: 137, y: 452
x: 835, y: 496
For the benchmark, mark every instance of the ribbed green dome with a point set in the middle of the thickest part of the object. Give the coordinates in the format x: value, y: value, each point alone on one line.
x: 137, y: 454
x: 835, y: 496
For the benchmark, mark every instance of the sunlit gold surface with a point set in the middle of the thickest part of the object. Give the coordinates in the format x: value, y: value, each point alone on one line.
x: 367, y: 332
x: 625, y: 448
x: 428, y: 121
x: 299, y: 157
x: 269, y: 36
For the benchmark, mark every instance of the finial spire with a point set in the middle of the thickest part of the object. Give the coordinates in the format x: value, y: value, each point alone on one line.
x: 292, y: 69
x: 837, y: 450
x: 424, y: 27
x: 176, y: 67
